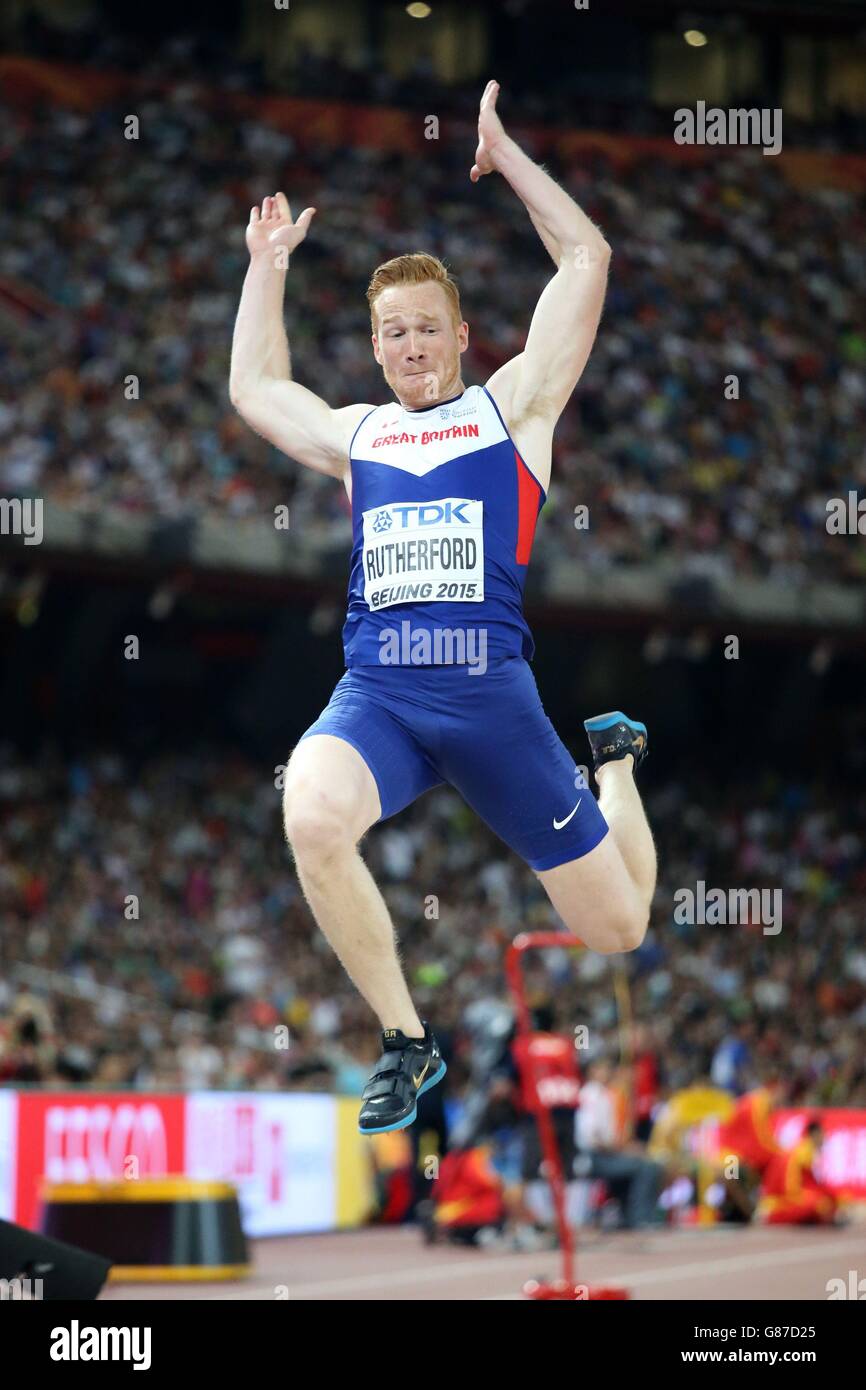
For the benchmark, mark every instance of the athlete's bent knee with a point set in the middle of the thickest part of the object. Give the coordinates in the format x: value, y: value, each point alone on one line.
x: 317, y: 826
x: 618, y: 932
x: 632, y: 928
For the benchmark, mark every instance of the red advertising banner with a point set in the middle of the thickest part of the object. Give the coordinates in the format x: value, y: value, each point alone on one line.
x: 285, y: 1152
x: 69, y: 1136
x: 842, y: 1161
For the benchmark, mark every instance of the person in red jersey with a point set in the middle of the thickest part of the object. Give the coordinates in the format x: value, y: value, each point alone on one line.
x: 747, y: 1137
x: 791, y: 1193
x: 545, y: 1074
x: 646, y: 1081
x: 469, y: 1196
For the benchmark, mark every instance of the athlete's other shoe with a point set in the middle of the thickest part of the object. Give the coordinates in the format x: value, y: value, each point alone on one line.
x: 407, y: 1068
x: 613, y: 736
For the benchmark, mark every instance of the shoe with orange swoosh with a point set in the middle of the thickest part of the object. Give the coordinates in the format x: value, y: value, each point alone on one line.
x: 407, y: 1068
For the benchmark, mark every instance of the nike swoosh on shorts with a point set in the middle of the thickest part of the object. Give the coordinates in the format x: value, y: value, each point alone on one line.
x: 558, y: 824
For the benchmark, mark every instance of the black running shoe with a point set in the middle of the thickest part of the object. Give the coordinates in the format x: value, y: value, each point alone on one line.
x: 613, y: 736
x: 407, y: 1068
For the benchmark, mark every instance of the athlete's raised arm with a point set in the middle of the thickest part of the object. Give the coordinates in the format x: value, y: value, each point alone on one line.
x: 538, y: 382
x: 261, y: 387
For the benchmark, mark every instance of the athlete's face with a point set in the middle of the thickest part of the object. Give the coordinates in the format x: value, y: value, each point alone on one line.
x: 418, y: 344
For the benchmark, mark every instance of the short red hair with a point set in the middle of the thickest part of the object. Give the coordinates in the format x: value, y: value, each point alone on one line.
x: 414, y: 269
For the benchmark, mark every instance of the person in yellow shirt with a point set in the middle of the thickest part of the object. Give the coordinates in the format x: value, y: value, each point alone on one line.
x: 679, y: 1117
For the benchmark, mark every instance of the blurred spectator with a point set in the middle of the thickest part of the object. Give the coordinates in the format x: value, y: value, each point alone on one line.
x: 644, y: 1082
x: 602, y: 1155
x: 791, y: 1192
x: 99, y: 985
x: 732, y: 1059
x: 721, y: 271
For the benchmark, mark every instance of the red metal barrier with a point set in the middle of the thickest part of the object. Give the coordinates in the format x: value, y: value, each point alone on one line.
x: 567, y: 1288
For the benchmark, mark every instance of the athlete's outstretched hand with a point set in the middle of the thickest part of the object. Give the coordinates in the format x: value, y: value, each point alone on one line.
x: 490, y: 132
x: 273, y: 226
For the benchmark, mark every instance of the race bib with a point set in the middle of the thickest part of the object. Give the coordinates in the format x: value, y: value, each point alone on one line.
x: 424, y: 552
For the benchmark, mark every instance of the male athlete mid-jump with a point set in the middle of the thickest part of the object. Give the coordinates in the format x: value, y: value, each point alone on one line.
x: 446, y: 486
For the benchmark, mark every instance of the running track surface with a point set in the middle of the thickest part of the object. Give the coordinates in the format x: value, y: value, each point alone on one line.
x: 387, y: 1264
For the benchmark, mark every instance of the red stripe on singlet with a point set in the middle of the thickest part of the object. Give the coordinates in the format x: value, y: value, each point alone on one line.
x: 528, y: 492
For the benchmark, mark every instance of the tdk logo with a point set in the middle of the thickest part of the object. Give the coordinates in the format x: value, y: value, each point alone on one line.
x: 428, y: 514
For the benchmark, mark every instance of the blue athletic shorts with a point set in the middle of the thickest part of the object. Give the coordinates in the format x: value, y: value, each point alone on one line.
x: 486, y: 736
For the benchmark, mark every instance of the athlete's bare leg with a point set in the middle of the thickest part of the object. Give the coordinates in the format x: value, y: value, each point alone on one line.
x: 605, y: 896
x: 330, y: 802
x: 623, y: 810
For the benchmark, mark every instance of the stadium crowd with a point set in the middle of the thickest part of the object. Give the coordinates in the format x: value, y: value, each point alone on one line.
x: 154, y: 935
x: 573, y: 94
x: 152, y: 931
x: 720, y: 270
